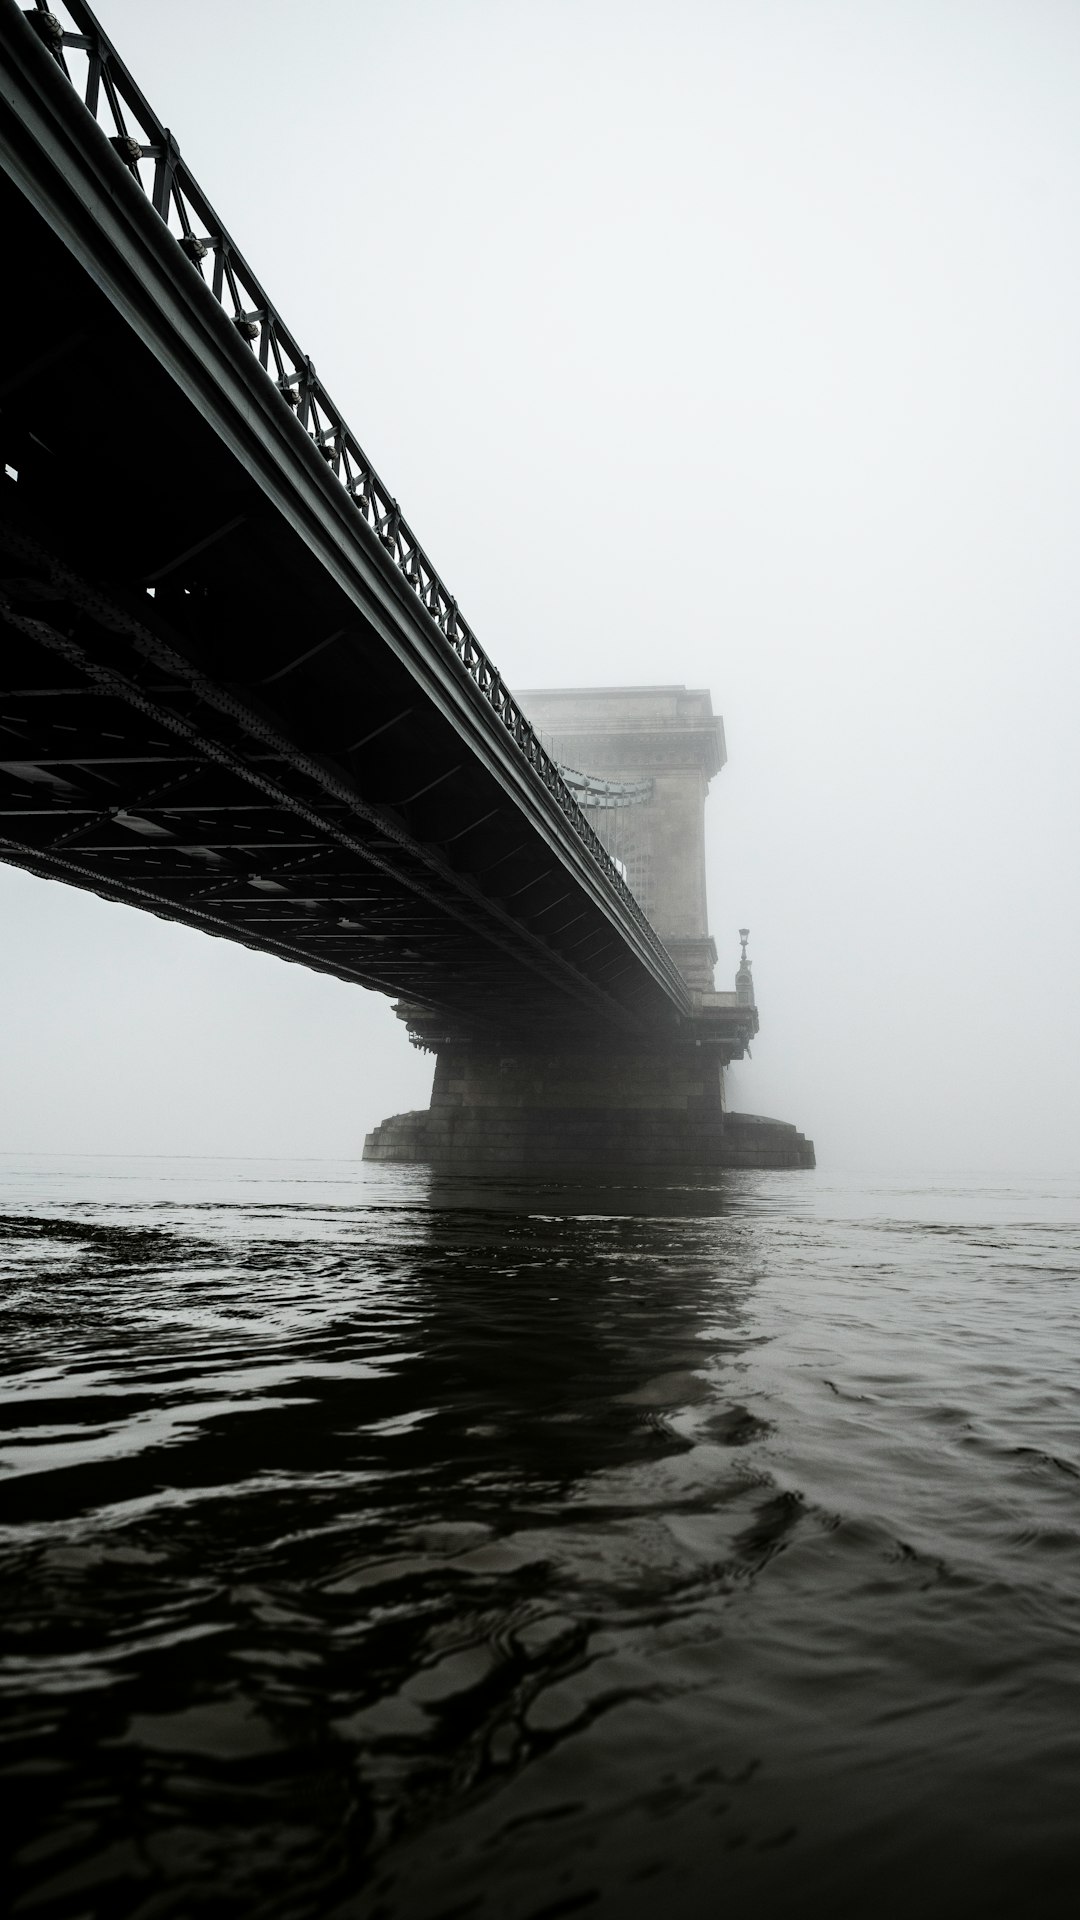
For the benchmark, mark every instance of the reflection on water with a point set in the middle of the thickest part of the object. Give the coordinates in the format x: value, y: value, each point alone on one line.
x: 380, y: 1545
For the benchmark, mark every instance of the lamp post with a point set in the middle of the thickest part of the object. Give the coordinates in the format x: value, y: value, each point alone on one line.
x: 744, y: 979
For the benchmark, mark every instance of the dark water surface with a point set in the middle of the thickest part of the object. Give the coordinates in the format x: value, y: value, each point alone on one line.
x: 377, y: 1546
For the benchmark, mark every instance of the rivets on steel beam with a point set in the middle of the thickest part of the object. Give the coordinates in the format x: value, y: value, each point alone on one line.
x: 47, y: 27
x: 128, y: 148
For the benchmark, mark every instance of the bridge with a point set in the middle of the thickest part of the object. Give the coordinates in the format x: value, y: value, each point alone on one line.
x: 237, y: 693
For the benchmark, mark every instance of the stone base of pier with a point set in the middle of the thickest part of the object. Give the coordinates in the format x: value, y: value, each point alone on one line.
x: 651, y: 1111
x: 643, y: 1144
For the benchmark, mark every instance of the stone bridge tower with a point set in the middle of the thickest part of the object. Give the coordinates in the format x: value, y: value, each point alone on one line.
x: 669, y: 741
x: 639, y: 760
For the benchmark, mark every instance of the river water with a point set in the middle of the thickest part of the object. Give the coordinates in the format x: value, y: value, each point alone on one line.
x: 374, y: 1545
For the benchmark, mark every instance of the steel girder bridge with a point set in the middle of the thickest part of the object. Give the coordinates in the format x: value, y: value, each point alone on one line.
x: 235, y: 691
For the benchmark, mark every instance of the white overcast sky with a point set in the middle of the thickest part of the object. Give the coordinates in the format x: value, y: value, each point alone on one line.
x: 735, y: 344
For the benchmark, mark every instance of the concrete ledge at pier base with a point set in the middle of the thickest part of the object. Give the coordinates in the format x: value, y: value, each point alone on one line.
x: 520, y: 1141
x: 750, y: 1137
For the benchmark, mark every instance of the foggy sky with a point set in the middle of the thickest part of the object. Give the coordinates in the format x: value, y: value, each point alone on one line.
x: 726, y: 344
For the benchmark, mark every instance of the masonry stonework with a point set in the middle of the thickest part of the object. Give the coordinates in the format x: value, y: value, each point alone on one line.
x: 668, y: 735
x: 652, y: 1106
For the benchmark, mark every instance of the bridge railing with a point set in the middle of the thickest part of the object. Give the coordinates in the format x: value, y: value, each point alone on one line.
x: 148, y: 150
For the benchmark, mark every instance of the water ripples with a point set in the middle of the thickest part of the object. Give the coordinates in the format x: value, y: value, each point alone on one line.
x: 397, y: 1549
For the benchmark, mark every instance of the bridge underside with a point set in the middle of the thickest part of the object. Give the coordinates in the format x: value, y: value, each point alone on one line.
x: 220, y: 700
x: 223, y: 698
x: 128, y: 772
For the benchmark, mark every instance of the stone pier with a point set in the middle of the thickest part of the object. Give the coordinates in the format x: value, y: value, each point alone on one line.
x: 647, y: 1112
x: 641, y: 759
